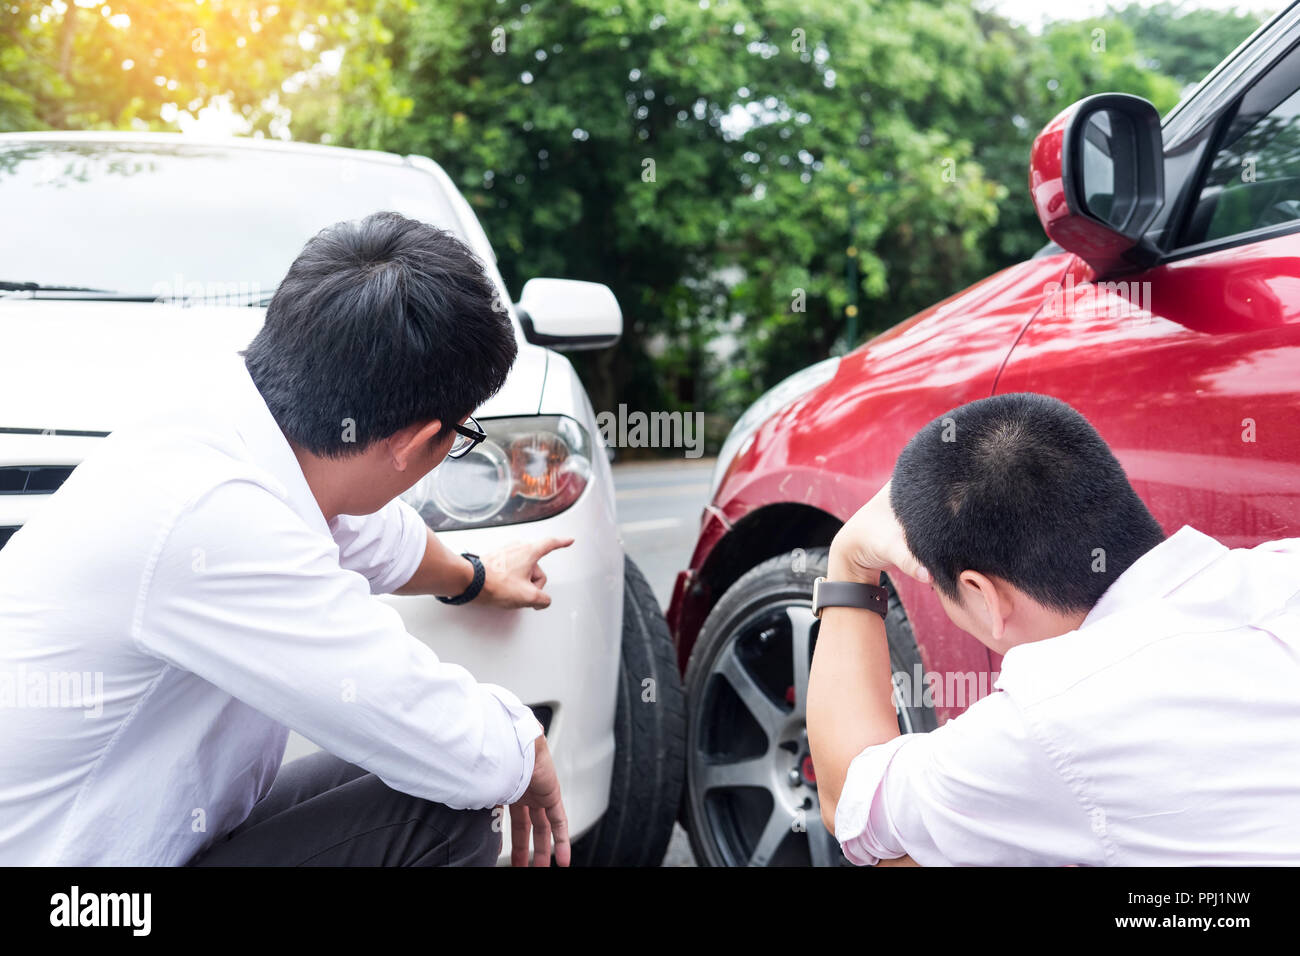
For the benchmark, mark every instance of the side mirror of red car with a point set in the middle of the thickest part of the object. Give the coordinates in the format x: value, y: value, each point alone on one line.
x: 1096, y: 175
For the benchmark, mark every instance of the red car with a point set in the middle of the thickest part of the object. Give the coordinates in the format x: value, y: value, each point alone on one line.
x: 1166, y: 310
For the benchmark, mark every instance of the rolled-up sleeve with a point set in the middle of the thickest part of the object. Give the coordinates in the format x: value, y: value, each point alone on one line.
x: 862, y: 826
x: 385, y: 547
x: 977, y: 791
x: 262, y: 609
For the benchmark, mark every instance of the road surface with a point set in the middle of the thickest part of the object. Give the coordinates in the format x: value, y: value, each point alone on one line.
x: 659, y: 508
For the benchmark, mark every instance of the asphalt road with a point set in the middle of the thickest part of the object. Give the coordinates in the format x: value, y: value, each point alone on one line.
x: 659, y: 508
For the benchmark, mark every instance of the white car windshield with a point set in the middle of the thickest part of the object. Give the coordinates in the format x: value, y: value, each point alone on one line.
x: 158, y: 219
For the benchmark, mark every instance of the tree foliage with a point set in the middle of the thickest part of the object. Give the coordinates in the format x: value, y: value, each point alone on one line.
x: 761, y: 182
x: 1184, y: 43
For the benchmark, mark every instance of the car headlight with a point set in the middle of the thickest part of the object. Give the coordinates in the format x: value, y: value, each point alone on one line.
x: 770, y: 402
x: 528, y: 468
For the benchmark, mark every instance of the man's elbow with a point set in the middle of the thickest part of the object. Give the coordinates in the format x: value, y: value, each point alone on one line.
x: 828, y: 805
x: 831, y: 774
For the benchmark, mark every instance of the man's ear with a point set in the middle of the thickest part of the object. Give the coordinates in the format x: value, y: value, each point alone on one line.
x: 985, y: 599
x: 411, y: 442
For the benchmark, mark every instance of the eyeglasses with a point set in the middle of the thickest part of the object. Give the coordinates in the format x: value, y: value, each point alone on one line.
x: 468, y: 437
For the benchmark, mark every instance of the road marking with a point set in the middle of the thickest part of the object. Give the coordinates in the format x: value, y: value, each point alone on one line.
x: 662, y: 491
x: 653, y: 524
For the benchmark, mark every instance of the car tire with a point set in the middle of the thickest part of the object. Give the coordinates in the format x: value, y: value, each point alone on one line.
x: 650, y: 740
x: 750, y: 794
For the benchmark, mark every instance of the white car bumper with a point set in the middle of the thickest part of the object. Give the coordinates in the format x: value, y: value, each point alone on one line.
x: 565, y: 657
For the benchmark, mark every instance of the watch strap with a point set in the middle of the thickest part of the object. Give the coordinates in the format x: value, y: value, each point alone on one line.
x: 475, y: 586
x: 859, y: 594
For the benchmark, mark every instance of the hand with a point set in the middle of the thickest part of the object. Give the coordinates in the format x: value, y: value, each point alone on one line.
x: 541, y: 811
x: 514, y: 579
x: 870, y: 542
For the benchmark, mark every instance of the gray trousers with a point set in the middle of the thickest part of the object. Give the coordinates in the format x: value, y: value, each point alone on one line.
x: 322, y: 811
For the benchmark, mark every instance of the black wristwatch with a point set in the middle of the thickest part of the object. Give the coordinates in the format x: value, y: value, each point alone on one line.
x: 471, y: 592
x: 870, y: 597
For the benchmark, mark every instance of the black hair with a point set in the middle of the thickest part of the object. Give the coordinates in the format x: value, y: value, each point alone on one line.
x: 378, y: 325
x: 1022, y: 487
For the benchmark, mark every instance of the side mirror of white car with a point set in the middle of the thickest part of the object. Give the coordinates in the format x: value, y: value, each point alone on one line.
x: 569, y: 315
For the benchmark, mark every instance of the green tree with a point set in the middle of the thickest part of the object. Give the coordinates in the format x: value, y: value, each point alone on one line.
x: 761, y: 182
x: 588, y: 137
x: 861, y: 202
x: 1185, y: 43
x: 713, y: 163
x: 141, y: 63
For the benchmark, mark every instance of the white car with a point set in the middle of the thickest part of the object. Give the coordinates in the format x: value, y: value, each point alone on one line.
x: 129, y: 262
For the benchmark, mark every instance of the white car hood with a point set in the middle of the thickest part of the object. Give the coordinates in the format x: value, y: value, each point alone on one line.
x: 96, y: 366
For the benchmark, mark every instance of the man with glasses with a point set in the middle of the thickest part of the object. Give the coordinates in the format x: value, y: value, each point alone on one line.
x: 468, y: 437
x: 214, y: 569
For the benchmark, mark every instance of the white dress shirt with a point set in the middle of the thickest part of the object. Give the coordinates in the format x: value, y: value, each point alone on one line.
x: 177, y: 607
x: 1164, y: 731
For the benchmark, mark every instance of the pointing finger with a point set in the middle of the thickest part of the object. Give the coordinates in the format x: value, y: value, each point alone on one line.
x: 547, y: 545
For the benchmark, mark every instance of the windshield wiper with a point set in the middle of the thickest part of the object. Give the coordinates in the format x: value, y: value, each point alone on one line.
x: 248, y: 300
x: 38, y: 290
x: 38, y: 287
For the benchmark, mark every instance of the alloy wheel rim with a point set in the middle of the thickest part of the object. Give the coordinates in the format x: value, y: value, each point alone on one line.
x: 758, y: 797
